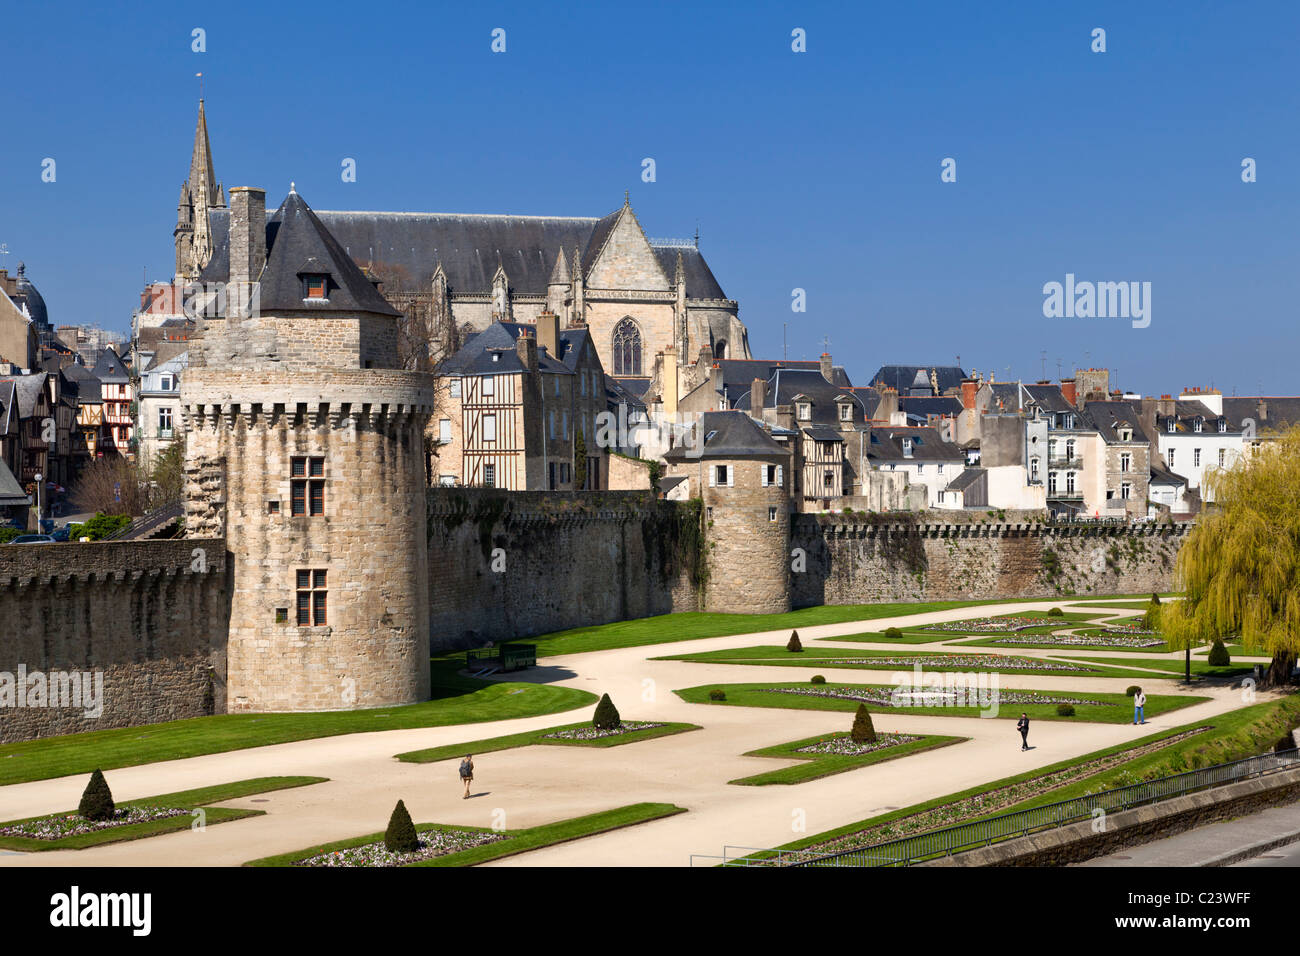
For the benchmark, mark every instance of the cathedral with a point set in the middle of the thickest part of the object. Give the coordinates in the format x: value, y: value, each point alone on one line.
x: 455, y: 273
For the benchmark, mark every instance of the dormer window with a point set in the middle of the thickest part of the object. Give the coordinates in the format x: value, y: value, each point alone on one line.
x: 1223, y: 425
x: 805, y: 411
x: 907, y: 448
x: 846, y: 412
x: 315, y: 286
x: 1196, y: 425
x: 1169, y: 426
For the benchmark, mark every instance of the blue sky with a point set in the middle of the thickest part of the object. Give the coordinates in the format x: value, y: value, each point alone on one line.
x: 816, y: 170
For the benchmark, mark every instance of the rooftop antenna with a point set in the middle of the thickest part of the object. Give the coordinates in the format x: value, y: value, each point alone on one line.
x: 697, y: 234
x: 1044, y: 363
x: 1058, y: 367
x: 785, y: 347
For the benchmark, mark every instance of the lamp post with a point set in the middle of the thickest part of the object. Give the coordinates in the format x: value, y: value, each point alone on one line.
x: 39, y: 479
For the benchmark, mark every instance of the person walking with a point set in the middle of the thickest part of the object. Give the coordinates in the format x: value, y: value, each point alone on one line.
x: 1139, y: 702
x: 1023, y: 726
x: 467, y: 773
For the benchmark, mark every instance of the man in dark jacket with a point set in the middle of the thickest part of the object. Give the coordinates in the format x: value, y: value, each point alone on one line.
x: 1023, y: 727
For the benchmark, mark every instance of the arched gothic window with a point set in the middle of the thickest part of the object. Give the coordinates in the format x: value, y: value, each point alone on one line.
x: 627, y: 348
x: 720, y: 349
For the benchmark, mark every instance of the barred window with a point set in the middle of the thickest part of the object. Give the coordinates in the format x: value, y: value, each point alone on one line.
x: 312, y: 598
x: 307, y: 486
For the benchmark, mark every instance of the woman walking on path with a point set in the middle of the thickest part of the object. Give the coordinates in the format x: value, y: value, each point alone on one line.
x: 467, y: 773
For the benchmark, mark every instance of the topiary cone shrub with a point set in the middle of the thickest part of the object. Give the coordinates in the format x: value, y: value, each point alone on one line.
x: 1065, y: 710
x: 97, y: 800
x: 893, y: 633
x: 794, y: 645
x: 1056, y: 612
x: 606, y: 716
x: 1133, y: 690
x: 400, y: 837
x: 818, y: 679
x: 1219, y: 656
x: 863, y: 731
x: 717, y: 694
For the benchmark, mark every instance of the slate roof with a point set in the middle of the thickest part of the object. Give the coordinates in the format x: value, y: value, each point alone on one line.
x: 966, y: 479
x: 729, y: 434
x: 1185, y: 415
x: 634, y: 386
x: 476, y: 356
x: 1162, y: 474
x: 1049, y: 398
x: 8, y: 406
x: 1277, y: 411
x: 1007, y: 396
x: 88, y: 385
x: 901, y: 377
x: 110, y: 369
x: 410, y: 245
x: 1109, y: 417
x: 886, y: 444
x: 786, y: 383
x: 28, y: 390
x: 616, y: 393
x: 919, y: 407
x: 11, y: 492
x: 739, y: 374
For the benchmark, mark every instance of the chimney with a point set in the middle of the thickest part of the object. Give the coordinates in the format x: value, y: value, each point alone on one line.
x: 968, y: 389
x: 757, y: 397
x: 548, y: 333
x: 888, y: 406
x: 715, y: 378
x: 1068, y: 391
x: 668, y: 371
x: 247, y: 246
x: 526, y: 349
x: 827, y: 368
x: 1261, y: 412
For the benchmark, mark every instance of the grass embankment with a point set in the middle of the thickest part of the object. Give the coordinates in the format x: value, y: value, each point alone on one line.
x: 1172, y: 666
x: 830, y: 658
x: 185, y: 799
x: 456, y: 700
x: 529, y: 738
x: 1232, y: 736
x: 813, y: 766
x: 1112, y: 709
x: 518, y: 841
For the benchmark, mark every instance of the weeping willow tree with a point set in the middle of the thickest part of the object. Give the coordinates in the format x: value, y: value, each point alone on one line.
x: 1240, y: 566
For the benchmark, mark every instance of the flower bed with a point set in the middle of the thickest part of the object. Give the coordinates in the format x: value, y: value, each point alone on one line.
x: 991, y: 662
x: 846, y: 746
x: 73, y: 824
x: 888, y: 698
x: 990, y: 625
x: 591, y: 733
x: 433, y: 843
x: 1100, y: 640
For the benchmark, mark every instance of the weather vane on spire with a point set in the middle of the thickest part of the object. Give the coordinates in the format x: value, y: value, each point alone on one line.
x: 200, y: 76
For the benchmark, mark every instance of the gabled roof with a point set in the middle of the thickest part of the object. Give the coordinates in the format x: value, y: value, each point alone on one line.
x: 110, y: 369
x: 1266, y: 411
x: 920, y: 407
x: 1162, y: 474
x: 1110, y: 417
x: 406, y: 247
x: 787, y: 384
x: 738, y: 374
x: 1049, y: 398
x: 493, y: 352
x: 88, y: 385
x: 729, y: 434
x: 616, y: 393
x: 8, y: 407
x: 28, y: 390
x: 11, y: 492
x: 299, y: 244
x: 886, y: 444
x: 902, y: 377
x: 966, y: 479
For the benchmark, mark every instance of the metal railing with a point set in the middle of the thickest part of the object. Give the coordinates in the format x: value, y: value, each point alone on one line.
x: 968, y: 836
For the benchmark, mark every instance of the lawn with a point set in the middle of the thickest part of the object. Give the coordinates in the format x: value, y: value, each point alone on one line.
x: 1109, y: 709
x: 528, y: 739
x: 813, y: 766
x: 769, y: 656
x: 518, y: 841
x: 1010, y: 641
x: 457, y: 700
x: 1174, y: 666
x: 185, y: 799
x: 690, y: 626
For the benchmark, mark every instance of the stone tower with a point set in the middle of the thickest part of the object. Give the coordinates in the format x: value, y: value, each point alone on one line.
x: 200, y: 193
x: 304, y: 447
x: 743, y: 477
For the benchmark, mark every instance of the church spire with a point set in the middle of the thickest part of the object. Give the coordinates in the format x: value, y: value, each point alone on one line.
x: 200, y: 193
x: 202, y: 177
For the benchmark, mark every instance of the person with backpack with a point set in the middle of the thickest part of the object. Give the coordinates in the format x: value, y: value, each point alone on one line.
x: 1139, y: 702
x: 467, y: 773
x: 1023, y: 726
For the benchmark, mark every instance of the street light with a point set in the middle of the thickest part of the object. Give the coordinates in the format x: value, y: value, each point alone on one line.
x: 39, y: 479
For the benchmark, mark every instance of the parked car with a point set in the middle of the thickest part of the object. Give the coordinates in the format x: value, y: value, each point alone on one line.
x: 33, y: 539
x: 62, y: 534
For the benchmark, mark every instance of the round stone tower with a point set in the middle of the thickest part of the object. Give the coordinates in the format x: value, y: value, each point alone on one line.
x: 305, y: 449
x: 742, y: 476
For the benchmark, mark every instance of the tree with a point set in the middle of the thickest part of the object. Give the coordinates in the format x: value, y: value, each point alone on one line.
x: 1240, y: 566
x: 863, y: 731
x: 794, y: 645
x: 1219, y: 656
x: 97, y: 800
x: 400, y: 837
x: 110, y: 485
x: 606, y: 716
x: 579, y: 461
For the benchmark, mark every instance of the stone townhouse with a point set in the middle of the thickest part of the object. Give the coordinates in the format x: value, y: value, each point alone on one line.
x: 158, y: 393
x: 521, y: 407
x: 35, y: 424
x: 1127, y: 451
x: 117, y: 428
x: 1195, y: 437
x: 18, y: 332
x: 926, y: 457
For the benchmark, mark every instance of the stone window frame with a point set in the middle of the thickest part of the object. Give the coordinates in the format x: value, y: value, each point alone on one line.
x: 311, y: 597
x: 312, y: 482
x: 627, y: 347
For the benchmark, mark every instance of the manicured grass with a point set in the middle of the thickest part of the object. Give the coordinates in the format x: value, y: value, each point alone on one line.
x: 519, y: 841
x: 186, y: 799
x: 528, y: 739
x: 1174, y: 666
x: 1119, y: 711
x: 813, y: 766
x: 457, y: 700
x: 1231, y: 736
x: 830, y: 658
x: 910, y: 636
x: 691, y: 626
